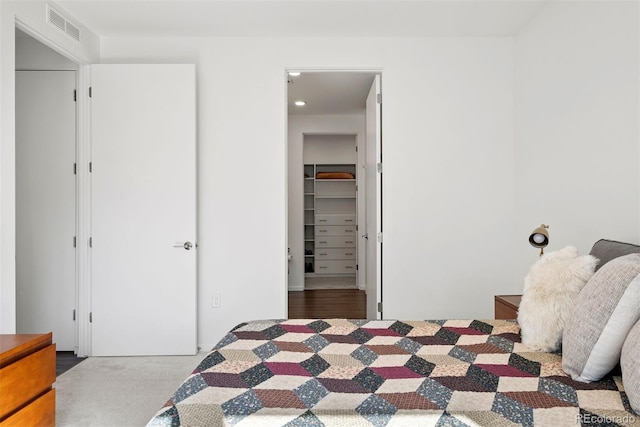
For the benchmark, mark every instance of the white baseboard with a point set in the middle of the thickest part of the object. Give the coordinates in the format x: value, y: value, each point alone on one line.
x: 296, y: 287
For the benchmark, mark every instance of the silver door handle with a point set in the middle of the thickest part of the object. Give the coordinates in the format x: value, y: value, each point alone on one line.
x: 366, y: 236
x: 186, y: 245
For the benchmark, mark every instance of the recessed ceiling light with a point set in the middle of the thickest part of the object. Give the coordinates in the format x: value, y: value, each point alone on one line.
x: 294, y: 73
x: 300, y: 103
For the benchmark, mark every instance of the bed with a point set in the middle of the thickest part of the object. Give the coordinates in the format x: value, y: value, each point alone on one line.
x: 339, y: 372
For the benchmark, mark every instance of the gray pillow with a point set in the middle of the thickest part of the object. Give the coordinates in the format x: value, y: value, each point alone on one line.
x: 606, y: 250
x: 631, y: 367
x: 605, y: 311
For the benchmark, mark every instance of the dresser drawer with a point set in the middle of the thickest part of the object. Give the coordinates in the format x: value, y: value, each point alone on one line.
x: 324, y: 219
x: 339, y: 254
x: 335, y: 230
x: 27, y: 378
x: 41, y: 412
x: 336, y: 267
x: 335, y: 242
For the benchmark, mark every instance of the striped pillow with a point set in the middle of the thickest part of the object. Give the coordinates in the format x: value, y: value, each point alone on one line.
x: 631, y: 367
x: 605, y: 311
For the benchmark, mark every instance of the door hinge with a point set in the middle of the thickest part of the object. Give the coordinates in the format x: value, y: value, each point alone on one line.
x: 90, y: 166
x: 380, y: 237
x: 75, y: 95
x: 90, y: 242
x: 75, y: 169
x: 90, y: 317
x: 356, y: 148
x: 74, y: 241
x: 74, y: 315
x: 356, y: 188
x: 90, y: 92
x: 379, y: 167
x: 379, y: 98
x: 380, y: 307
x: 356, y: 267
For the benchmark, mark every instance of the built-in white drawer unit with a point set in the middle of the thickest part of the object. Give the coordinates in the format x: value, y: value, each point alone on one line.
x: 335, y: 242
x: 336, y: 266
x: 335, y: 230
x: 335, y: 219
x: 336, y: 253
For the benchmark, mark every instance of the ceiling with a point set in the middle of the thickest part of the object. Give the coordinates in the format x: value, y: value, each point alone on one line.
x: 303, y: 18
x: 324, y: 92
x: 329, y: 92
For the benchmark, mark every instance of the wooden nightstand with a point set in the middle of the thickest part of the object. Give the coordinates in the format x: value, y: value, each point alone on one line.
x: 506, y: 306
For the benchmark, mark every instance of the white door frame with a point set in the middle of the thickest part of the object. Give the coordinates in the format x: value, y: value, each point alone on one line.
x: 378, y: 71
x: 83, y: 187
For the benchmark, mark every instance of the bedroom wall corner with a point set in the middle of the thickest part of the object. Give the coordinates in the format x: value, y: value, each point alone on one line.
x: 577, y: 151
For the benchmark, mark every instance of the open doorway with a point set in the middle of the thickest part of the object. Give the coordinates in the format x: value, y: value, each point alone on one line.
x: 46, y: 287
x: 329, y: 246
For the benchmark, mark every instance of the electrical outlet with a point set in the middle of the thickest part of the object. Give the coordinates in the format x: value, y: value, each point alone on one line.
x: 216, y: 300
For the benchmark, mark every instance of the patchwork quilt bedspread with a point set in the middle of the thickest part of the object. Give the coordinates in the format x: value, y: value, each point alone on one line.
x: 338, y: 372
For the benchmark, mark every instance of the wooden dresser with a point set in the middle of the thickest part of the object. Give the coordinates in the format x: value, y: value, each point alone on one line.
x: 506, y: 306
x: 27, y: 373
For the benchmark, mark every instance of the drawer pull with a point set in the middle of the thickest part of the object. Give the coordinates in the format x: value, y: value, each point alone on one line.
x: 325, y: 242
x: 323, y: 266
x: 322, y: 220
x: 348, y: 253
x: 348, y: 231
x: 322, y: 231
x: 348, y: 241
x: 322, y: 254
x: 348, y: 266
x: 348, y: 220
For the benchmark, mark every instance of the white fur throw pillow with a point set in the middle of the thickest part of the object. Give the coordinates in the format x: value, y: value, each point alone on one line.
x: 550, y: 290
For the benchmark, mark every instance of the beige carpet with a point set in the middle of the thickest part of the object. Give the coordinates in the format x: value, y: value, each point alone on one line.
x: 119, y: 391
x: 330, y: 283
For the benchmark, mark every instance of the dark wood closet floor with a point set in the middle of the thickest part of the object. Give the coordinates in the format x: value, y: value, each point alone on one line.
x: 66, y: 360
x: 328, y: 304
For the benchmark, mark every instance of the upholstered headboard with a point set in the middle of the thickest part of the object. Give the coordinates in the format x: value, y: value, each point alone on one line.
x: 606, y: 250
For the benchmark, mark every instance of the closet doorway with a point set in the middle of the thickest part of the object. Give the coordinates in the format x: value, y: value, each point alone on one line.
x: 329, y: 246
x: 45, y: 192
x: 330, y: 211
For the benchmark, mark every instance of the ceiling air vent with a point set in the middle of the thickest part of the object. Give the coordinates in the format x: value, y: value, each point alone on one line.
x: 60, y: 22
x: 73, y: 31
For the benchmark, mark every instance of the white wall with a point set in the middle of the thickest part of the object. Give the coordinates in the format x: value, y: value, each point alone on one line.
x: 460, y: 197
x: 448, y: 182
x: 298, y: 125
x: 330, y: 149
x: 33, y: 55
x: 576, y: 146
x: 31, y: 15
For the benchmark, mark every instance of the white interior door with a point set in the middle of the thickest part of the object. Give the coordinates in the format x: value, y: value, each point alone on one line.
x: 45, y: 205
x: 373, y: 210
x: 143, y: 210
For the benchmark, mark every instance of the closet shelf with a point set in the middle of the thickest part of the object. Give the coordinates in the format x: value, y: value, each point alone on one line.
x: 334, y: 219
